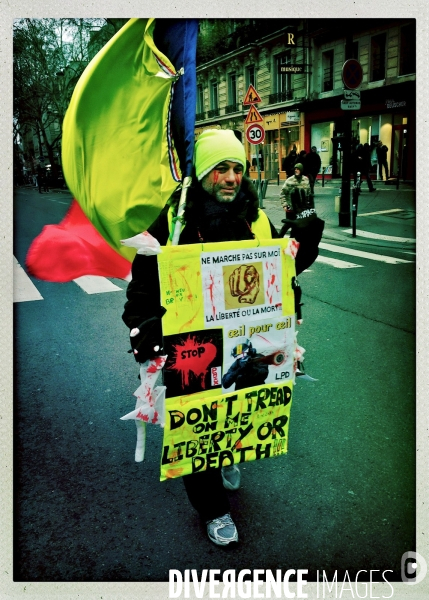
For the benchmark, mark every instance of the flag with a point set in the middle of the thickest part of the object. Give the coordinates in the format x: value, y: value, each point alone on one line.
x: 127, y: 137
x: 72, y: 249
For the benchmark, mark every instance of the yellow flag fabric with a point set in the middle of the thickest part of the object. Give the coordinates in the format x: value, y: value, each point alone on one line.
x: 229, y: 337
x: 115, y: 151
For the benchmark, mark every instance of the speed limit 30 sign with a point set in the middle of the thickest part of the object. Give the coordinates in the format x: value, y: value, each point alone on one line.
x: 255, y: 133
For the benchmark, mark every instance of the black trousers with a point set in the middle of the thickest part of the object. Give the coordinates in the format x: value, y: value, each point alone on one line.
x: 380, y: 169
x: 206, y: 493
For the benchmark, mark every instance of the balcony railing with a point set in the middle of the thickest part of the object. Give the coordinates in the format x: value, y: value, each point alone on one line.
x: 200, y: 116
x: 214, y: 112
x: 232, y: 108
x: 280, y: 97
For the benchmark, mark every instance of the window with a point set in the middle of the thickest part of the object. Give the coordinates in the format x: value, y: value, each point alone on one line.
x: 200, y: 102
x: 232, y: 93
x: 214, y: 98
x: 407, y: 59
x: 282, y: 81
x: 328, y: 71
x: 250, y: 76
x: 378, y: 57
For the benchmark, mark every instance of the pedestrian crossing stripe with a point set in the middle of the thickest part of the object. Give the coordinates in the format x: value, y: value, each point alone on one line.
x: 94, y: 284
x: 335, y: 262
x: 24, y: 289
x: 379, y: 236
x: 361, y: 254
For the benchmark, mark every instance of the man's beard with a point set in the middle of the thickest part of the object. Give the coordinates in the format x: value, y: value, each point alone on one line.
x: 227, y: 198
x: 216, y: 192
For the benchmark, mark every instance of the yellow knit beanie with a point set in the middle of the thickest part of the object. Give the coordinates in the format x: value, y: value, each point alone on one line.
x: 213, y: 147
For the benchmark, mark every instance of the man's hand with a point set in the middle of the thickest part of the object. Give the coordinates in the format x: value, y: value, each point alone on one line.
x: 146, y: 339
x: 244, y: 283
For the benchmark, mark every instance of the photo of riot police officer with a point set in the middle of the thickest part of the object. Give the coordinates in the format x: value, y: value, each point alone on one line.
x: 247, y: 370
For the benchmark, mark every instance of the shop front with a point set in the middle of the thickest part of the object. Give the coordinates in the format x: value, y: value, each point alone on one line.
x: 283, y: 133
x: 387, y: 114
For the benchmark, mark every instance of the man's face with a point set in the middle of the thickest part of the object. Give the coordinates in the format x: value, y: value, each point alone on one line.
x: 224, y: 181
x: 297, y: 172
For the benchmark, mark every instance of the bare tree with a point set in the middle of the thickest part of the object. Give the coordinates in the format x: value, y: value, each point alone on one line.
x: 49, y: 57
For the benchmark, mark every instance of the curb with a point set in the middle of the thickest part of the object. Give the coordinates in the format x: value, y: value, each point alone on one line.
x: 330, y: 234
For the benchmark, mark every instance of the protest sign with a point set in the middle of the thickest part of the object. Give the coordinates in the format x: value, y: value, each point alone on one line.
x: 229, y: 334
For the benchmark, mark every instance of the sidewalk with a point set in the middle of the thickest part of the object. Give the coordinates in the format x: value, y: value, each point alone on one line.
x: 394, y: 213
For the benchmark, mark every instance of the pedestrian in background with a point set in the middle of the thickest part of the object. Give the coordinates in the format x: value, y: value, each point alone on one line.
x: 382, y: 151
x: 301, y: 159
x: 40, y: 178
x: 361, y: 163
x: 289, y: 163
x: 312, y: 166
x: 301, y: 218
x: 295, y: 196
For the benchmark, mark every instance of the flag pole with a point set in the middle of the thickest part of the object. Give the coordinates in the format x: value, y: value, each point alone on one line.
x: 180, y: 210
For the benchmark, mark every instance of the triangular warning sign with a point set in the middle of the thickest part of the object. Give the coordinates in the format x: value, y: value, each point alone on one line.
x: 252, y: 96
x: 253, y: 116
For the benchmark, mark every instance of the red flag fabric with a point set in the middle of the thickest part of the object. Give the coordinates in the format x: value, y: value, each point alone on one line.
x: 72, y: 249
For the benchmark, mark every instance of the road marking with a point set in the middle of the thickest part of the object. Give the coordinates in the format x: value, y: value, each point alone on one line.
x: 24, y: 289
x: 95, y: 284
x: 334, y: 262
x: 379, y: 236
x: 360, y: 253
x: 381, y: 212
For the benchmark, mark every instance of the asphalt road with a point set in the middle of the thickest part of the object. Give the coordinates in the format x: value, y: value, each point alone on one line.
x: 342, y: 498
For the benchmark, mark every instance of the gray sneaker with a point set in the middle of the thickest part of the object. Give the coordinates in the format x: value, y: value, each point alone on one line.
x: 222, y: 530
x: 231, y: 477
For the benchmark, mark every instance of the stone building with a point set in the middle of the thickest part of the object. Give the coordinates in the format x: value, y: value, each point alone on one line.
x: 296, y: 67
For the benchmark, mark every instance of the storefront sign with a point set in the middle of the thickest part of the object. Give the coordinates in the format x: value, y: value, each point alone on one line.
x: 393, y: 104
x: 350, y: 104
x: 292, y: 116
x: 291, y: 69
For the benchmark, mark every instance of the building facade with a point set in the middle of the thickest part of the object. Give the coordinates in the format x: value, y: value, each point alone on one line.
x: 296, y: 69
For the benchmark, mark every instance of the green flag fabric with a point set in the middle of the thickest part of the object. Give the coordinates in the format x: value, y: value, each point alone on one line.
x: 118, y: 160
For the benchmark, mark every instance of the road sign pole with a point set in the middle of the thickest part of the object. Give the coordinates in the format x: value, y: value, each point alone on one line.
x: 344, y: 214
x: 259, y: 178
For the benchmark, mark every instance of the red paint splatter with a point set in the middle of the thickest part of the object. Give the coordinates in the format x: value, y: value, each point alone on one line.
x: 211, y: 286
x: 156, y: 364
x: 194, y: 357
x: 155, y: 417
x: 215, y: 176
x: 142, y: 417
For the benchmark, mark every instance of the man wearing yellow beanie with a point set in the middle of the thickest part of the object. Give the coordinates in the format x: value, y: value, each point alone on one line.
x: 222, y: 205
